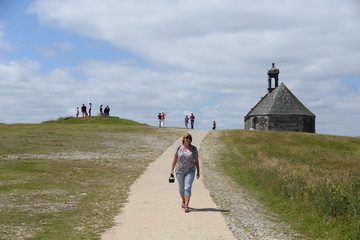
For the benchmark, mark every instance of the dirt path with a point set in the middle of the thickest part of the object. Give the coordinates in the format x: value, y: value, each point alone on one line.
x: 154, y: 208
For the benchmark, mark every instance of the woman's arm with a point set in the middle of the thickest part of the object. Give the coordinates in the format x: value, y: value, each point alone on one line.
x: 173, y: 164
x: 197, y: 165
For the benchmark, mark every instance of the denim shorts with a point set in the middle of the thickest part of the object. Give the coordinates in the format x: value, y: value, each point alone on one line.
x: 185, y: 181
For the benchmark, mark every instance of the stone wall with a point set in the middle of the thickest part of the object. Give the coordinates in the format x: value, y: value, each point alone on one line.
x: 293, y: 123
x: 296, y: 123
x: 257, y: 122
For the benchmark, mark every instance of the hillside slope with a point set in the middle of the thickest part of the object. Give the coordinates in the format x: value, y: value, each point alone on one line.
x: 312, y: 181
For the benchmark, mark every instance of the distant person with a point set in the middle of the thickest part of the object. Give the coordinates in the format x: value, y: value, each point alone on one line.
x: 186, y: 121
x: 192, y: 120
x: 83, y: 110
x: 214, y: 125
x: 90, y: 106
x: 159, y: 118
x: 186, y: 161
x: 77, y: 112
x: 107, y: 111
x: 101, y: 110
x: 162, y: 121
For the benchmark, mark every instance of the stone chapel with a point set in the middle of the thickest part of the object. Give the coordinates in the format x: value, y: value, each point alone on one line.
x: 279, y: 110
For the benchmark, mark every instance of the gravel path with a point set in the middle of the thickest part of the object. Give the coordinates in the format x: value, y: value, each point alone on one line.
x: 154, y: 208
x: 246, y: 218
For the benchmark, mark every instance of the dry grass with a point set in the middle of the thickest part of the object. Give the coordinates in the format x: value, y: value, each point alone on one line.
x: 68, y: 181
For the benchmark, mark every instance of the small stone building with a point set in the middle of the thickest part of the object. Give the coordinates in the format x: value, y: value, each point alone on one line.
x: 280, y: 110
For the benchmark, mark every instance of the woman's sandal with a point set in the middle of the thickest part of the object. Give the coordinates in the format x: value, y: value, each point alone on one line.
x: 183, y: 205
x: 187, y: 209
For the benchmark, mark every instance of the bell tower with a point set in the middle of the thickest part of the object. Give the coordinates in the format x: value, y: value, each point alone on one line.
x: 273, y: 72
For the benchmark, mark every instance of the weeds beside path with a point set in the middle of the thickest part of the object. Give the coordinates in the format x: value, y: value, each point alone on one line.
x: 247, y: 218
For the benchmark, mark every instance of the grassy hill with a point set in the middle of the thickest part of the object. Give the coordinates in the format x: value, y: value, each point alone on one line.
x: 67, y: 178
x: 94, y: 120
x: 311, y: 180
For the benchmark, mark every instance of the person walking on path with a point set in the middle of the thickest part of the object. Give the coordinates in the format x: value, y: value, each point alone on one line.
x: 142, y: 217
x: 77, y: 112
x: 186, y: 121
x: 192, y: 120
x: 186, y: 160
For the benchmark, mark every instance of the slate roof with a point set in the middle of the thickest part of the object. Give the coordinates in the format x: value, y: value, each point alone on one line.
x: 280, y: 101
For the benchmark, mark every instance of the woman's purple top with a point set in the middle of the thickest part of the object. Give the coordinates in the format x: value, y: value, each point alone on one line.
x: 186, y: 160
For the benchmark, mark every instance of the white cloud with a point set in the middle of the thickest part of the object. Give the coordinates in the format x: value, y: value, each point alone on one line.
x: 219, y: 36
x: 29, y: 95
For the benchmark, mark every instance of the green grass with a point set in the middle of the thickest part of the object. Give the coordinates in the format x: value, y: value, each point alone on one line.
x: 94, y: 120
x: 312, y: 181
x: 68, y: 181
x: 68, y: 178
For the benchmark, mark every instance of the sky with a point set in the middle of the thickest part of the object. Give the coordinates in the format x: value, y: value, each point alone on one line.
x: 207, y: 57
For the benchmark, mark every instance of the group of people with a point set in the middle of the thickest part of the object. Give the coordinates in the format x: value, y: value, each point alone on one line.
x: 106, y: 110
x: 85, y: 112
x: 192, y: 120
x: 161, y: 118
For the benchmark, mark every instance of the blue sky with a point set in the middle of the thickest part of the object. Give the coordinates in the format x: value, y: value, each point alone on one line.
x: 206, y: 57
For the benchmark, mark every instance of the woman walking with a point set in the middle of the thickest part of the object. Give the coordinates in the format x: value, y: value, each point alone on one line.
x: 186, y: 160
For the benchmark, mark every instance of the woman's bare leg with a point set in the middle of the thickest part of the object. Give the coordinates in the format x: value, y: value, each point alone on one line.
x: 183, y: 201
x: 187, y: 200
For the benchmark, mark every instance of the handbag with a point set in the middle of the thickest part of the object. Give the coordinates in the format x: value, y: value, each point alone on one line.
x: 171, y: 178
